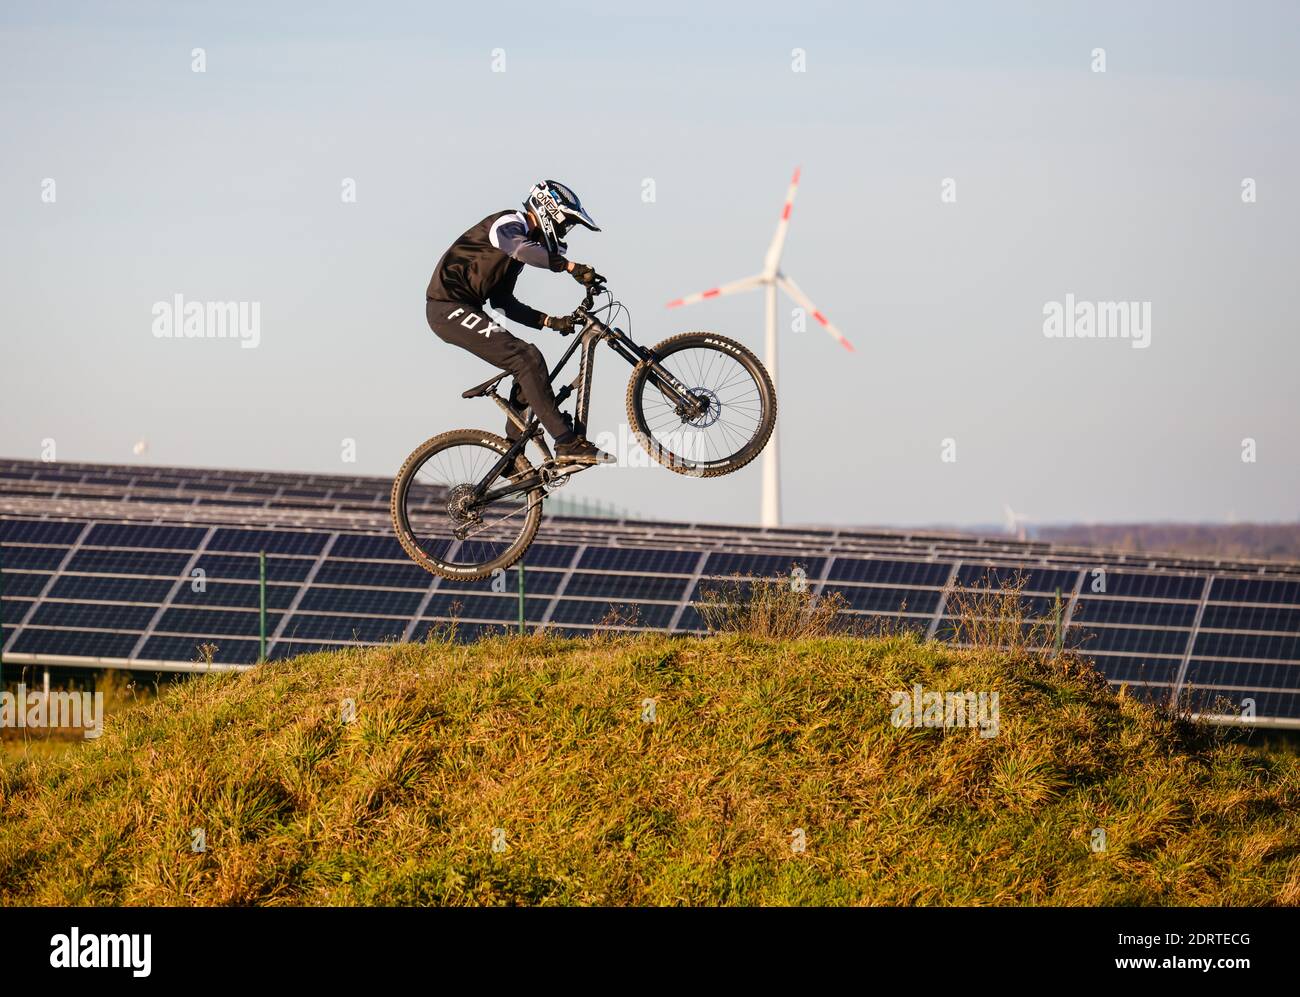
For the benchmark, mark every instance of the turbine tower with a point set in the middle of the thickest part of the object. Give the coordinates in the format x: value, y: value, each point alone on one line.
x: 769, y: 279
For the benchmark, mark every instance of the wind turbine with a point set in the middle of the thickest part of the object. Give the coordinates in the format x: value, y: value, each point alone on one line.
x: 769, y: 279
x: 1016, y: 522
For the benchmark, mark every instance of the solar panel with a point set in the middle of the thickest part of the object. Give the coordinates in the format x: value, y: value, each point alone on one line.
x: 762, y: 565
x: 887, y: 599
x: 278, y: 569
x: 885, y: 572
x: 76, y: 643
x: 1255, y: 590
x: 15, y: 609
x: 39, y: 532
x: 91, y: 615
x: 128, y: 562
x: 462, y: 632
x: 1032, y: 579
x: 1158, y: 623
x: 384, y: 602
x: 371, y: 547
x: 380, y: 573
x: 627, y: 586
x: 467, y: 606
x: 132, y: 535
x: 537, y: 581
x: 346, y: 628
x: 241, y: 595
x: 1225, y: 616
x: 652, y: 559
x: 24, y: 583
x: 543, y: 555
x: 1243, y: 674
x: 1133, y: 612
x: 228, y: 651
x: 1101, y: 584
x: 214, y: 622
x: 596, y: 611
x: 31, y: 558
x: 1129, y: 639
x: 271, y: 541
x: 1139, y: 670
x: 1277, y: 703
x: 1244, y: 645
x: 107, y: 588
x: 1034, y: 607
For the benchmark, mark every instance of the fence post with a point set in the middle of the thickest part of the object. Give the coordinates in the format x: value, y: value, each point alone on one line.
x: 261, y: 606
x: 2, y: 625
x: 1059, y: 613
x: 521, y: 598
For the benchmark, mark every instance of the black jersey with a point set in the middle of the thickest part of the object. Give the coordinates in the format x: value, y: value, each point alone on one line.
x: 481, y: 267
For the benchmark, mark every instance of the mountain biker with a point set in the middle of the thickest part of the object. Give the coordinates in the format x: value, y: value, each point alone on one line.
x: 481, y: 267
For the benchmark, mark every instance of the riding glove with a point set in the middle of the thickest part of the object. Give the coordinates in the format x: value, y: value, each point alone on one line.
x: 586, y: 275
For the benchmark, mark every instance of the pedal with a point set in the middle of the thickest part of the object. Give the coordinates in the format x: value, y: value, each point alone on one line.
x: 557, y: 475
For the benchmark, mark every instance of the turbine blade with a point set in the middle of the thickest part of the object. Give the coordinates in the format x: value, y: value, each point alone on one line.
x: 743, y: 284
x: 792, y: 289
x: 773, y: 258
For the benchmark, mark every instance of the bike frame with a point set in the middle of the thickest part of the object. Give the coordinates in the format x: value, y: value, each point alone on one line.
x: 594, y: 331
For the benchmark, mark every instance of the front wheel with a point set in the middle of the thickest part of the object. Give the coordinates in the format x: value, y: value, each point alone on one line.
x: 438, y: 521
x: 733, y: 420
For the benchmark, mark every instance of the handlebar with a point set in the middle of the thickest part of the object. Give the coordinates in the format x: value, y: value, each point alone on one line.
x: 589, y: 299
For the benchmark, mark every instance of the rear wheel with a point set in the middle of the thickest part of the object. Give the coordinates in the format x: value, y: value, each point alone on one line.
x: 435, y: 516
x: 733, y: 420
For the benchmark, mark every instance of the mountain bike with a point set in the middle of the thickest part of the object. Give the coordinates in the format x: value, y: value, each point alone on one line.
x: 468, y: 502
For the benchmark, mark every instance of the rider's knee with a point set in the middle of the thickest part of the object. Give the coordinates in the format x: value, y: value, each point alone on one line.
x: 527, y: 357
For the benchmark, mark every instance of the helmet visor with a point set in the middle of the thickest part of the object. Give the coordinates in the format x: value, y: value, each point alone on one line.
x: 572, y: 208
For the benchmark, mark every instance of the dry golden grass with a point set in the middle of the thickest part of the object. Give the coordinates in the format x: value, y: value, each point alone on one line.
x: 121, y: 691
x: 541, y: 745
x: 772, y: 608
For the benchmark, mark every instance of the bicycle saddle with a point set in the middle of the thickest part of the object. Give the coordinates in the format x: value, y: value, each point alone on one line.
x: 485, y: 387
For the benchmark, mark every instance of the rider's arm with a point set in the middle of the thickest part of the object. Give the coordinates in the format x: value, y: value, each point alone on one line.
x: 503, y: 300
x: 510, y: 235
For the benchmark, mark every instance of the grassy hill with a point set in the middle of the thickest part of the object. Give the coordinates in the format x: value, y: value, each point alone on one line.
x: 541, y: 746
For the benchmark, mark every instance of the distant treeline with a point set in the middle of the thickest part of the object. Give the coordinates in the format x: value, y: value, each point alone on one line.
x: 1276, y: 541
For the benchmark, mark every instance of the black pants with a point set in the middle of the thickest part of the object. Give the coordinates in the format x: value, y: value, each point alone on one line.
x: 472, y: 329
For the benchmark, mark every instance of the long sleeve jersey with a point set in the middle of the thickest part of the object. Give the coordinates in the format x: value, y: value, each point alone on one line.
x: 482, y: 266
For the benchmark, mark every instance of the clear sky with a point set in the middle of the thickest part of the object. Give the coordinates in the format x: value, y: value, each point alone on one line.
x: 1123, y: 185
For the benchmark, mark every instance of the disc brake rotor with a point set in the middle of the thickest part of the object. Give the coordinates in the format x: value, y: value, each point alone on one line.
x: 712, y: 411
x: 459, y: 512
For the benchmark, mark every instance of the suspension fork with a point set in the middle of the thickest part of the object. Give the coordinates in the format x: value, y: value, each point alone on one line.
x: 687, y: 405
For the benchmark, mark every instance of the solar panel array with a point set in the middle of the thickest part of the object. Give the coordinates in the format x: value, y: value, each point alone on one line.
x: 132, y: 567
